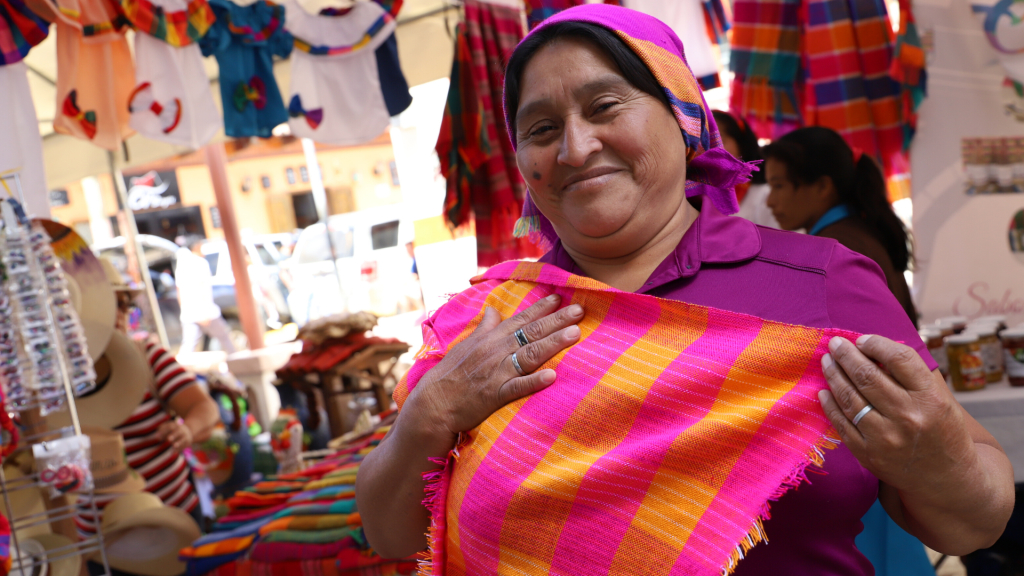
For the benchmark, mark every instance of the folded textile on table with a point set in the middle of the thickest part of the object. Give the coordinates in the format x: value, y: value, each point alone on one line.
x: 670, y: 430
x: 316, y: 567
x: 329, y: 493
x: 319, y: 509
x: 283, y: 551
x: 311, y: 523
x: 310, y: 536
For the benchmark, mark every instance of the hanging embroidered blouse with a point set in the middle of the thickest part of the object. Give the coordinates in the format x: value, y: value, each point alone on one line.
x: 244, y: 39
x: 20, y: 30
x: 171, y: 101
x: 336, y: 95
x: 95, y: 71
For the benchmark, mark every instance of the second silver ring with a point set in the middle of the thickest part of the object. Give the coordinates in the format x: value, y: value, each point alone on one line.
x: 515, y: 363
x: 521, y: 337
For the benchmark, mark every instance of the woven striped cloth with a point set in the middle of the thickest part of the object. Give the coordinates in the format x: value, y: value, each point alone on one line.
x: 669, y: 430
x: 179, y: 28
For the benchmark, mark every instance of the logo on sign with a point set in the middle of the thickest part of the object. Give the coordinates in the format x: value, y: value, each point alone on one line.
x: 149, y: 192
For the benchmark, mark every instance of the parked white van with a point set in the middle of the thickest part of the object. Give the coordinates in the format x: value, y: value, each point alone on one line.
x: 373, y: 265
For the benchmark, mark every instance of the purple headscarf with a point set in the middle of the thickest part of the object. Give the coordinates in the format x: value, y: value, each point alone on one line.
x: 711, y: 171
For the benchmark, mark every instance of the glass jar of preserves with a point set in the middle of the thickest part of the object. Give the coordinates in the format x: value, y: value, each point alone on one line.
x: 991, y: 350
x: 933, y: 339
x: 966, y: 366
x: 1013, y: 354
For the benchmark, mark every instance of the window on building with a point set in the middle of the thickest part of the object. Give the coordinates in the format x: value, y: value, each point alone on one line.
x: 289, y: 173
x: 265, y: 181
x: 304, y: 173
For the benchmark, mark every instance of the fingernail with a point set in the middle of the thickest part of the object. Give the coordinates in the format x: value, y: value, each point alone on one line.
x: 863, y: 339
x: 547, y: 376
x: 835, y: 343
x: 576, y: 310
x: 572, y: 332
x: 823, y: 396
x: 553, y: 298
x: 826, y: 362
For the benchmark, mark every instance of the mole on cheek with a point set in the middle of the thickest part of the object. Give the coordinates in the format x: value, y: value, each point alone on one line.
x: 536, y: 176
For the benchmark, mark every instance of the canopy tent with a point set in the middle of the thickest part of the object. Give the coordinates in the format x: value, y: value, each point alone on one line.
x: 425, y: 50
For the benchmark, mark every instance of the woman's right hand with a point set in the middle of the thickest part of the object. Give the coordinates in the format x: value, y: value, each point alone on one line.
x: 477, y: 377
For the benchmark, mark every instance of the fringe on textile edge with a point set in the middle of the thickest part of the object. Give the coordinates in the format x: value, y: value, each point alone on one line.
x: 431, y: 560
x: 815, y: 456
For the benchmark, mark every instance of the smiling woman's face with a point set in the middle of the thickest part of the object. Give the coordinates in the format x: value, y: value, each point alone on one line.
x: 604, y: 161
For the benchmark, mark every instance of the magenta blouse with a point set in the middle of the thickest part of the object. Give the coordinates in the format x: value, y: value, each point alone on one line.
x: 731, y: 264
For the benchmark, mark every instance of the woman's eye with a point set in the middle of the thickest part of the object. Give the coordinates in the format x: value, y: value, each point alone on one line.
x: 605, y: 106
x: 541, y: 130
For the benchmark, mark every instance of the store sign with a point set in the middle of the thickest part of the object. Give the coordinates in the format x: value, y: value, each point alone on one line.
x: 153, y: 191
x: 59, y: 198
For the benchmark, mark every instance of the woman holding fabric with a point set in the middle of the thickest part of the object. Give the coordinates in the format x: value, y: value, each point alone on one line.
x: 635, y: 401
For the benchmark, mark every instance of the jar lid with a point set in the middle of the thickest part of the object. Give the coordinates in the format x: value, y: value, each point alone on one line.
x: 929, y: 332
x: 997, y: 318
x: 965, y: 338
x: 983, y: 330
x: 1017, y: 332
x: 953, y: 319
x: 943, y: 323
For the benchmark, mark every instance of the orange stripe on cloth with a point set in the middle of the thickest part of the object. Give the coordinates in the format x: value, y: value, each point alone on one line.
x: 657, y: 450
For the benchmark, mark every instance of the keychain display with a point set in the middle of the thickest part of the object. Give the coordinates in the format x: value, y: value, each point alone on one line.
x: 35, y: 289
x: 63, y: 464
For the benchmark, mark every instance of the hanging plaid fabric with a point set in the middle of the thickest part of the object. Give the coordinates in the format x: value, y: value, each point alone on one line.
x: 908, y: 69
x: 539, y: 10
x: 20, y: 30
x: 476, y: 155
x: 765, y: 58
x: 848, y: 54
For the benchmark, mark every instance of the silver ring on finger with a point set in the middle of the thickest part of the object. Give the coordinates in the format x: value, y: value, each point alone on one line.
x: 515, y: 363
x: 521, y: 337
x: 863, y: 412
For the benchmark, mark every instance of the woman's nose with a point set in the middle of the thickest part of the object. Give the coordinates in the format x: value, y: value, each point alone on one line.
x: 578, y: 143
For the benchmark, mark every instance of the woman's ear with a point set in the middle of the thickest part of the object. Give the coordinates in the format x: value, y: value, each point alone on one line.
x: 825, y: 190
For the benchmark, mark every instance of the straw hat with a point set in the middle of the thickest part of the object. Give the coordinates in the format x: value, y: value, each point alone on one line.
x: 67, y: 565
x: 109, y: 465
x: 98, y: 307
x: 116, y: 280
x: 117, y: 396
x: 24, y: 502
x: 143, y: 536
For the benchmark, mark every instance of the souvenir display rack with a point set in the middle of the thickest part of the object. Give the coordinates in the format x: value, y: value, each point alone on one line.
x: 59, y: 512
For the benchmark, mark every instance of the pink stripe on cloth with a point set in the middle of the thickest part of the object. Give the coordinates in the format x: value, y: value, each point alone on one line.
x: 525, y: 443
x: 607, y: 505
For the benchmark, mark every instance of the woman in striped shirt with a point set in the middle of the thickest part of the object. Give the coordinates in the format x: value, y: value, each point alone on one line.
x: 153, y: 438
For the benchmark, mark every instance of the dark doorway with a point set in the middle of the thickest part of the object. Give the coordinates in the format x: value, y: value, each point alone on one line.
x: 305, y: 209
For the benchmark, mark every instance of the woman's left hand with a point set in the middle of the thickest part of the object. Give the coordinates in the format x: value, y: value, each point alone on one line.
x: 175, y: 432
x: 944, y: 478
x: 915, y: 431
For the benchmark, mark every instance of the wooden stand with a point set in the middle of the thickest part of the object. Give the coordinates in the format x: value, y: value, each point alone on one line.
x: 369, y: 371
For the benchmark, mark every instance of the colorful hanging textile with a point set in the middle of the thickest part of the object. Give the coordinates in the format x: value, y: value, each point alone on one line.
x: 765, y: 58
x: 172, y: 101
x: 718, y: 19
x: 539, y: 10
x: 908, y: 68
x: 477, y: 159
x: 20, y: 30
x: 668, y: 432
x: 174, y: 22
x: 95, y: 71
x: 856, y: 97
x: 335, y: 94
x: 244, y: 39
